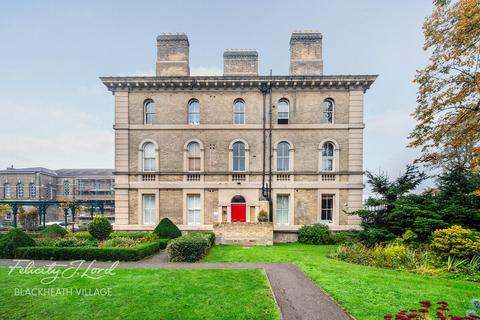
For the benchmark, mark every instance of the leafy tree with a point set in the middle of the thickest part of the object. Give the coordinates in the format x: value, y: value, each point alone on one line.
x: 4, y: 209
x: 448, y: 100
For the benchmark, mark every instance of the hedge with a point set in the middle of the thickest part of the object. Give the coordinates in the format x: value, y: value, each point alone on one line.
x: 135, y: 253
x: 191, y: 247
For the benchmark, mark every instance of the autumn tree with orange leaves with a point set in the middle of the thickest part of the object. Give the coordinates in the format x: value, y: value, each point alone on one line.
x: 448, y: 100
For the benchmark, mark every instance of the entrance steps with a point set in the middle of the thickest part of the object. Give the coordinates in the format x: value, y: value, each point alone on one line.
x: 245, y: 234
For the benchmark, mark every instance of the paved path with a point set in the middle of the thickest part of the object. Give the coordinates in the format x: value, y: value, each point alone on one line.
x: 297, y: 296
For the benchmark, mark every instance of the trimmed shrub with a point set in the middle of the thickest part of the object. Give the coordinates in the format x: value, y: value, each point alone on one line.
x: 129, y: 234
x: 190, y: 247
x: 262, y: 216
x: 100, y: 228
x: 13, y: 239
x: 135, y: 253
x: 456, y: 241
x: 315, y: 234
x: 166, y: 229
x: 82, y: 235
x: 120, y: 242
x: 54, y: 231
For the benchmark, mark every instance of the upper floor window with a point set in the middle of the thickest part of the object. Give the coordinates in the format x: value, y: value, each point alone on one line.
x: 19, y: 190
x: 7, y: 191
x: 283, y: 156
x: 193, y: 150
x: 33, y: 190
x: 328, y: 109
x: 194, y: 112
x: 238, y: 156
x: 328, y: 158
x: 148, y: 112
x: 239, y: 112
x: 66, y: 187
x: 50, y: 192
x: 148, y: 157
x: 283, y: 111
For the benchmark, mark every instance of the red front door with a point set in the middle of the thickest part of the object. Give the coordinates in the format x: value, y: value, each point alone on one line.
x: 239, y: 212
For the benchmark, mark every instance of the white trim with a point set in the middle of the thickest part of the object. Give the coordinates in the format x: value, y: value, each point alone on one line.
x: 336, y: 206
x: 140, y: 155
x: 230, y: 155
x: 336, y: 155
x: 291, y: 205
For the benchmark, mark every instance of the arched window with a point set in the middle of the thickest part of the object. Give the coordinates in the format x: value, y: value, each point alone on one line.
x: 283, y: 111
x: 194, y: 112
x: 19, y: 190
x: 148, y: 112
x: 239, y: 112
x: 148, y: 157
x: 7, y: 191
x: 328, y: 158
x: 33, y: 190
x: 328, y: 108
x: 193, y: 154
x: 238, y: 156
x: 283, y: 156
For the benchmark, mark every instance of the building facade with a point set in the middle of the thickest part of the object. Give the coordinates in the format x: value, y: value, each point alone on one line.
x: 42, y: 184
x: 191, y: 148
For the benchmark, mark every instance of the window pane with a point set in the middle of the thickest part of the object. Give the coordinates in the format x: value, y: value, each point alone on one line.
x: 194, y: 112
x: 149, y: 112
x: 327, y: 208
x: 238, y: 157
x: 282, y: 209
x: 149, y: 157
x: 149, y: 209
x: 328, y: 111
x: 193, y: 208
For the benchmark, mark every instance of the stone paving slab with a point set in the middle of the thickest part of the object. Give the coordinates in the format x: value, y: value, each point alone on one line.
x: 297, y: 296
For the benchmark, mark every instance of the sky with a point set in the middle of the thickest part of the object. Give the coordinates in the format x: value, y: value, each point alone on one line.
x: 55, y: 112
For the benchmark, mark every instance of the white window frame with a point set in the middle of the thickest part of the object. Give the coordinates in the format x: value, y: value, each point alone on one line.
x: 194, y: 211
x: 281, y: 158
x: 149, y: 112
x: 331, y: 209
x: 283, y: 104
x: 195, y: 157
x: 328, y: 158
x: 239, y: 115
x: 7, y: 190
x: 284, y: 211
x: 148, y: 211
x: 66, y: 187
x: 239, y: 157
x: 151, y: 159
x: 50, y: 192
x: 193, y: 116
x: 20, y: 192
x: 326, y: 112
x: 32, y: 190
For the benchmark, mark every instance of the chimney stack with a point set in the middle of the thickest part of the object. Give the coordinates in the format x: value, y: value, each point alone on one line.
x: 240, y: 62
x: 172, y: 55
x: 306, y: 53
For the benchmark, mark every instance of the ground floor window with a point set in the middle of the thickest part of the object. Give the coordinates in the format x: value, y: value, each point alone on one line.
x: 282, y: 208
x: 148, y: 208
x: 327, y: 208
x: 193, y: 209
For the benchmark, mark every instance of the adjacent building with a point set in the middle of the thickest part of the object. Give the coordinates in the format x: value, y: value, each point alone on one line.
x: 42, y: 184
x: 202, y: 150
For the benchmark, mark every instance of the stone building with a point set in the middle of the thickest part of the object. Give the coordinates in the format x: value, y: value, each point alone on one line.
x: 42, y: 184
x: 191, y: 148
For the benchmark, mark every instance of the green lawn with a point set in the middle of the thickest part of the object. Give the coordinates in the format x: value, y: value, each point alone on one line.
x: 365, y: 292
x: 145, y: 294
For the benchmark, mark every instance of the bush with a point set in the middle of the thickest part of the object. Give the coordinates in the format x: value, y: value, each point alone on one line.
x: 65, y: 242
x: 129, y: 234
x: 135, y: 253
x: 190, y: 247
x: 456, y: 241
x: 372, y: 236
x: 82, y: 235
x: 13, y: 239
x: 100, y: 228
x: 263, y: 216
x: 347, y: 236
x: 120, y: 242
x: 315, y: 234
x: 54, y: 231
x: 166, y: 229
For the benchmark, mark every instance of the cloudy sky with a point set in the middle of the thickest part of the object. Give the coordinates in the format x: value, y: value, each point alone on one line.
x: 54, y: 111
